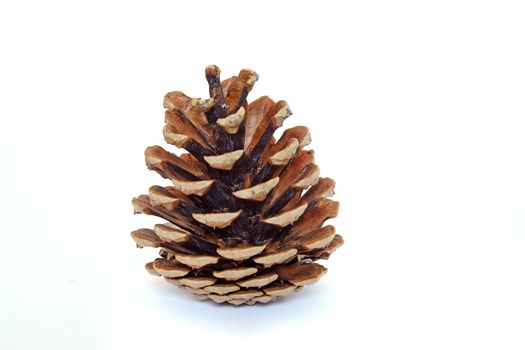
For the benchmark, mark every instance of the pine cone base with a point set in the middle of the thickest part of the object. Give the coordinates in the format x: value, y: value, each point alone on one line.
x: 245, y: 213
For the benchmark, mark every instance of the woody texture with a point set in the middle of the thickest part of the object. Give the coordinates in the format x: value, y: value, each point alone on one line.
x: 245, y: 212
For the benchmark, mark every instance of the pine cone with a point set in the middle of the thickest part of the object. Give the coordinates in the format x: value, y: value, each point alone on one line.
x: 239, y: 227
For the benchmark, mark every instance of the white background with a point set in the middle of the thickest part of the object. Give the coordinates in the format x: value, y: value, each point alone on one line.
x: 416, y: 108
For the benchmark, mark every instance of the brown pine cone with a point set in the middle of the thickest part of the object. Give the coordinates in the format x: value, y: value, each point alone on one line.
x: 245, y: 213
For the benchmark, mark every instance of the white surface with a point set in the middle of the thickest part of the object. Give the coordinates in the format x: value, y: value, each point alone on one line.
x: 416, y: 109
